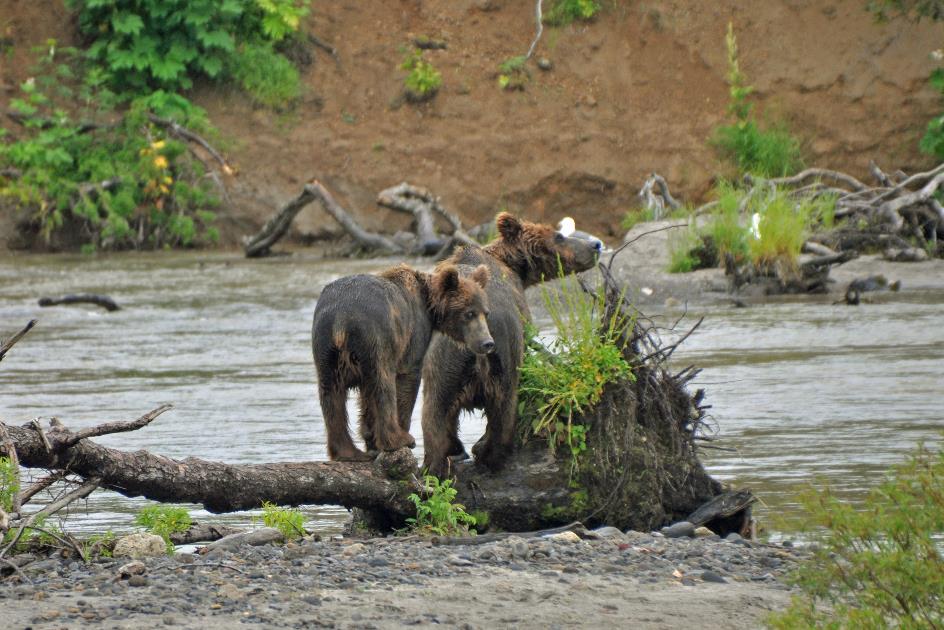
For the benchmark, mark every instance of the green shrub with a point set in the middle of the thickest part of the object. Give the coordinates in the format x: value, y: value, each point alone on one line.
x: 164, y: 520
x: 769, y: 153
x: 438, y: 513
x: 423, y: 80
x: 563, y: 12
x: 725, y: 228
x: 268, y: 77
x: 559, y: 383
x: 681, y: 245
x: 156, y: 194
x: 879, y: 565
x: 149, y: 44
x: 289, y: 521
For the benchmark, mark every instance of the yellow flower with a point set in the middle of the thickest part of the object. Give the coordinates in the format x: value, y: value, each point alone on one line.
x: 168, y: 179
x: 158, y: 145
x: 160, y: 161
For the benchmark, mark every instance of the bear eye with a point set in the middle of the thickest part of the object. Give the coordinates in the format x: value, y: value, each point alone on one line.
x: 558, y: 237
x: 470, y: 315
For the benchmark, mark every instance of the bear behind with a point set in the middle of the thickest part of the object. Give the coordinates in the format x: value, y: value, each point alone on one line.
x: 370, y: 333
x: 524, y: 254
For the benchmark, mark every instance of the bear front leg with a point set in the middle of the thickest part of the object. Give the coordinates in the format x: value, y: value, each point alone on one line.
x: 498, y: 443
x: 408, y: 386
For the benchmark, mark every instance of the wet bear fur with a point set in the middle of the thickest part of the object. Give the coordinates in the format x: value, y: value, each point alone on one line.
x: 370, y: 333
x: 454, y: 379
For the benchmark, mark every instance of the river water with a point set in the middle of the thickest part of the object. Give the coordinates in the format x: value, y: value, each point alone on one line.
x: 802, y: 393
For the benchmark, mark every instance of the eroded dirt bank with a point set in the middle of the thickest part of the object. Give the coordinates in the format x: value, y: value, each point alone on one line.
x: 637, y: 90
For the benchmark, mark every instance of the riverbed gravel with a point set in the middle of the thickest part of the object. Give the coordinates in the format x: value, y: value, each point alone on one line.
x: 620, y: 579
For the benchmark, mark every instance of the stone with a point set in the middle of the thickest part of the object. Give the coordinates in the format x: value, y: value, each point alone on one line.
x: 733, y: 537
x: 711, y: 576
x: 137, y: 580
x: 682, y: 529
x: 565, y: 537
x: 703, y: 532
x: 132, y: 568
x: 140, y: 545
x: 354, y: 549
x: 607, y: 532
x: 545, y: 64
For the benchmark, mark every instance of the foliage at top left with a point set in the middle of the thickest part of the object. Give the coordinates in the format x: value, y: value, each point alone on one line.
x: 165, y: 44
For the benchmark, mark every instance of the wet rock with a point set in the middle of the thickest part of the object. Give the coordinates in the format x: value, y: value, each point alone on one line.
x: 126, y: 571
x: 733, y: 537
x: 354, y: 549
x: 711, y: 576
x: 703, y: 532
x: 607, y: 532
x: 137, y: 580
x: 140, y: 545
x: 565, y: 537
x: 682, y: 529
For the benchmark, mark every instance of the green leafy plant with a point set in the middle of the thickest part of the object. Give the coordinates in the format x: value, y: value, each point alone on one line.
x: 289, y: 521
x: 682, y: 245
x: 114, y: 182
x: 438, y: 513
x: 770, y: 152
x: 563, y: 380
x: 879, y: 565
x: 423, y: 80
x: 267, y: 76
x: 9, y: 483
x: 513, y: 73
x: 143, y: 45
x: 563, y: 12
x: 164, y: 520
x: 100, y: 545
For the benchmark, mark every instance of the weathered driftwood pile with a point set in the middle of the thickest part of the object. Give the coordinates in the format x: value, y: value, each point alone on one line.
x: 641, y: 468
x: 419, y: 202
x: 899, y: 215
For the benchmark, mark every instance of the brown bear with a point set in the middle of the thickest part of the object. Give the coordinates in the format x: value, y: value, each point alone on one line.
x: 370, y: 332
x: 454, y: 379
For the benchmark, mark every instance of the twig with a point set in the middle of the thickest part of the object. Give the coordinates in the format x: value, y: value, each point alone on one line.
x: 115, y: 427
x: 82, y: 298
x: 42, y: 484
x: 609, y: 266
x: 331, y: 50
x: 79, y: 493
x: 810, y: 173
x: 64, y: 539
x: 42, y: 434
x: 187, y: 134
x: 9, y: 343
x: 16, y: 570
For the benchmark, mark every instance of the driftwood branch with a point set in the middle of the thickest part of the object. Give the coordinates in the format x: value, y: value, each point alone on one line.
x: 9, y: 343
x: 422, y: 204
x: 82, y: 298
x: 181, y: 131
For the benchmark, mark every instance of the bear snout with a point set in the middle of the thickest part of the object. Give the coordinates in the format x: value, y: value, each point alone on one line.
x: 487, y: 346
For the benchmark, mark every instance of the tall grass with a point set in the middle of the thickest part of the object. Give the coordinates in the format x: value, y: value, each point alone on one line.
x: 567, y: 378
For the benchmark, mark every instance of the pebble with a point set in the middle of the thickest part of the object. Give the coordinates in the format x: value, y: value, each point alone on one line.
x: 354, y: 549
x: 679, y: 530
x: 711, y: 576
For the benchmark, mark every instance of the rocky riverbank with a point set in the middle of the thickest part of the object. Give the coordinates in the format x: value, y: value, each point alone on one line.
x: 646, y: 580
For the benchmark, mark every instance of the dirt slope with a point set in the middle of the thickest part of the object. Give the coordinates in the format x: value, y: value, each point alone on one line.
x: 637, y: 90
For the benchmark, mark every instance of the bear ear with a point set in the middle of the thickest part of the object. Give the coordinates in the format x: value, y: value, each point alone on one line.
x: 481, y: 275
x: 446, y: 280
x: 509, y: 227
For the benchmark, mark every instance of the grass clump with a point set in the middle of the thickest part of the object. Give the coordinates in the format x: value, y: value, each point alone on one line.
x: 438, y: 513
x: 561, y: 381
x: 642, y: 215
x: 289, y: 521
x: 879, y: 565
x: 513, y: 73
x: 770, y: 152
x: 564, y: 12
x: 164, y: 520
x: 270, y: 79
x: 9, y: 483
x: 423, y: 80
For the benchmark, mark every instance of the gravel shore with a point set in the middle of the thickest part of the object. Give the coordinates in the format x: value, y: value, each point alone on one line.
x: 619, y: 580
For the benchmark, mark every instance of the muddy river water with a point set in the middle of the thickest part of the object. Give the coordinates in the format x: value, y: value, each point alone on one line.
x: 802, y: 393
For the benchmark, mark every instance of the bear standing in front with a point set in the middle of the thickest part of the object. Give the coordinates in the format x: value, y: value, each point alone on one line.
x: 371, y: 333
x: 454, y: 379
